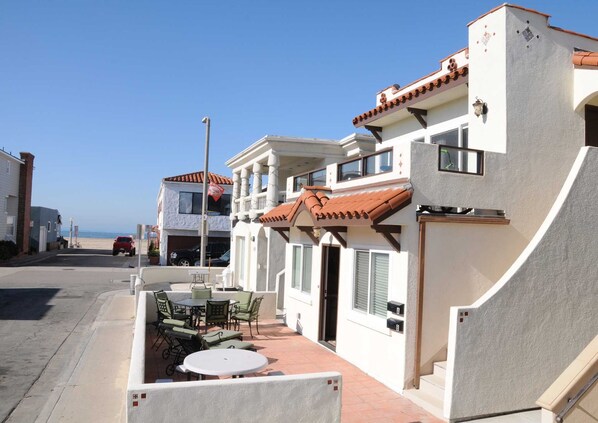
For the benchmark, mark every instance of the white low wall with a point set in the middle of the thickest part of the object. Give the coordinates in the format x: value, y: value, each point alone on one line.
x: 294, y: 398
x: 508, y: 347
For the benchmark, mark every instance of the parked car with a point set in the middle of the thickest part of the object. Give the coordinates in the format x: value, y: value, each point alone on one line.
x: 123, y: 244
x: 190, y: 256
x: 221, y: 261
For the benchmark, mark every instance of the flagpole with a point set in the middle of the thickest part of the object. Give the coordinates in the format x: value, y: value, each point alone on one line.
x: 204, y: 196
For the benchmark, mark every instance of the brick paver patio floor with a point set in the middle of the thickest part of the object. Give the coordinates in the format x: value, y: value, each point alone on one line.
x: 364, y: 399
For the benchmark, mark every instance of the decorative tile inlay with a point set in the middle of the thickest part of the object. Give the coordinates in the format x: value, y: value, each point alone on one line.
x: 527, y: 34
x: 485, y: 39
x: 463, y: 315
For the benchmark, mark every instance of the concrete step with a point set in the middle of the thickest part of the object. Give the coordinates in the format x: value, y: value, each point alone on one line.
x: 440, y: 369
x: 432, y: 385
x: 431, y: 404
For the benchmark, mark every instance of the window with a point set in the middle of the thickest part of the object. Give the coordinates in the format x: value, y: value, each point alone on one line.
x: 190, y: 203
x: 452, y: 157
x: 301, y: 270
x: 370, y: 290
x: 315, y: 178
x: 372, y: 164
x: 10, y: 226
x: 240, y: 259
x: 49, y: 226
x: 378, y: 163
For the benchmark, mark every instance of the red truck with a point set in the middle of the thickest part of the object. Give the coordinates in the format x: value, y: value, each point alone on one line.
x: 124, y: 244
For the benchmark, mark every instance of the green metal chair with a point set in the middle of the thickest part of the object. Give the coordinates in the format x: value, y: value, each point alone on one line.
x: 243, y: 301
x: 189, y: 341
x: 201, y: 293
x: 217, y: 313
x: 250, y: 316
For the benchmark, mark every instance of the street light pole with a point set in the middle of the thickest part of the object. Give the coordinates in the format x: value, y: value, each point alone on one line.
x: 204, y: 197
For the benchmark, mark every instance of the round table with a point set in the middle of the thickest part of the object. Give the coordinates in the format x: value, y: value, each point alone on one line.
x: 225, y: 362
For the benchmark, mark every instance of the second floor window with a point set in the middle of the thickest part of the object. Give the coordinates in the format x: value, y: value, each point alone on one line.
x: 315, y: 178
x: 372, y: 164
x: 190, y: 203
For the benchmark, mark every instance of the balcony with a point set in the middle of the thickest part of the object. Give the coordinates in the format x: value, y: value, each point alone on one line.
x: 242, y: 208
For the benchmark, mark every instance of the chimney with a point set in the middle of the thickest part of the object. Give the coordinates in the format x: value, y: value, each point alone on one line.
x: 24, y: 212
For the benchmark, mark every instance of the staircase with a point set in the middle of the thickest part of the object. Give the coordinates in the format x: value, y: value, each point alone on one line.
x: 430, y: 395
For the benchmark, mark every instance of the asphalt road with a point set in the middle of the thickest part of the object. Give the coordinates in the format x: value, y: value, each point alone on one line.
x: 48, y: 303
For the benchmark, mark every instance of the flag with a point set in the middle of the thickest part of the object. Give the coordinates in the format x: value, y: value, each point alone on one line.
x: 215, y: 191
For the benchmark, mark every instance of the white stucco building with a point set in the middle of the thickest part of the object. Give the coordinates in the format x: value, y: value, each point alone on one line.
x: 179, y: 214
x: 455, y: 263
x: 260, y: 174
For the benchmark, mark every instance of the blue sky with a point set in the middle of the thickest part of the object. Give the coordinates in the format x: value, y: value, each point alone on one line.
x: 109, y: 95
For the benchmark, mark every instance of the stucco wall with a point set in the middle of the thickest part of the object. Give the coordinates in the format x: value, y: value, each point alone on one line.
x: 516, y: 340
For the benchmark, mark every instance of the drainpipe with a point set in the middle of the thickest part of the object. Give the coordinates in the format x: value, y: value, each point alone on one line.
x: 420, y: 303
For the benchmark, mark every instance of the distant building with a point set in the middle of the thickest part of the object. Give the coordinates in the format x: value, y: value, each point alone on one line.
x: 179, y: 214
x: 45, y: 228
x: 16, y: 179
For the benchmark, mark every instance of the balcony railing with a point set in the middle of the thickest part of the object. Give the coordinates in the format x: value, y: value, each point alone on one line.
x: 460, y: 160
x: 243, y: 205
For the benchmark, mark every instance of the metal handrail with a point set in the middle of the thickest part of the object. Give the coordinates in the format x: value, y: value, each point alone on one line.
x: 573, y: 401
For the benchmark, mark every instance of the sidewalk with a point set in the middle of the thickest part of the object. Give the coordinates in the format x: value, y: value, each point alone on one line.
x: 96, y: 388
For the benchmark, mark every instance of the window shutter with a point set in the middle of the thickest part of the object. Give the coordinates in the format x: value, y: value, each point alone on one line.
x: 296, y: 275
x: 360, y: 288
x: 306, y: 269
x: 379, y: 284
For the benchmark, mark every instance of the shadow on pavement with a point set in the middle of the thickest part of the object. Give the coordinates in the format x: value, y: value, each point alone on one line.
x: 25, y: 303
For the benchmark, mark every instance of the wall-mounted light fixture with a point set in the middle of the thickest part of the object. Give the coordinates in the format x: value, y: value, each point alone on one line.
x: 479, y: 107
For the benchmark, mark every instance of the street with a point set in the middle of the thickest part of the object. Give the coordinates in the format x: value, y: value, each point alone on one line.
x: 47, y: 309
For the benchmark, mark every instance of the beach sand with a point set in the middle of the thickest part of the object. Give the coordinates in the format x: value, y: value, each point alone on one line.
x: 106, y: 244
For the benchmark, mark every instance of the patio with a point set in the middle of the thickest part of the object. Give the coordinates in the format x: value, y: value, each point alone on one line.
x: 363, y: 398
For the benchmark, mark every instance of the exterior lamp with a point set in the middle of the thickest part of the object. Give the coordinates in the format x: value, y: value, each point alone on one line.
x: 479, y: 107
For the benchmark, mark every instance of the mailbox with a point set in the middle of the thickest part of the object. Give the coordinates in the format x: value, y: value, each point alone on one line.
x: 395, y: 307
x: 395, y: 324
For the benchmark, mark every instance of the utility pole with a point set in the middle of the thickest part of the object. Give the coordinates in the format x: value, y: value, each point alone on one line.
x: 204, y: 197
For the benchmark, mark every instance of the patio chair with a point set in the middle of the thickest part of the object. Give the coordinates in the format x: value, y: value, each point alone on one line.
x: 243, y: 299
x: 165, y: 309
x: 217, y: 313
x: 201, y: 293
x: 189, y: 341
x: 252, y: 315
x: 165, y: 314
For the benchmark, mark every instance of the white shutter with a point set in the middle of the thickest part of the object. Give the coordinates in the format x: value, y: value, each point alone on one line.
x: 360, y: 287
x: 307, y: 253
x: 379, y: 284
x: 296, y: 271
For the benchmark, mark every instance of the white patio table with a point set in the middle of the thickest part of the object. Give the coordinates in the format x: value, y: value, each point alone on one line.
x: 225, y: 362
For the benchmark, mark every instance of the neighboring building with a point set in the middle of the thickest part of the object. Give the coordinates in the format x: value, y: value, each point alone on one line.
x: 16, y: 179
x: 260, y: 175
x: 456, y: 264
x: 179, y: 213
x: 45, y: 229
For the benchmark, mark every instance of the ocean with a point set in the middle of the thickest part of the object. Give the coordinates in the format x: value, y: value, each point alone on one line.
x: 94, y: 234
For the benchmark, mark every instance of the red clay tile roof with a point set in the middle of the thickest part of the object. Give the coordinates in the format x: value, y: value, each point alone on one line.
x: 197, y: 177
x: 585, y: 58
x: 361, y: 208
x: 387, y: 107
